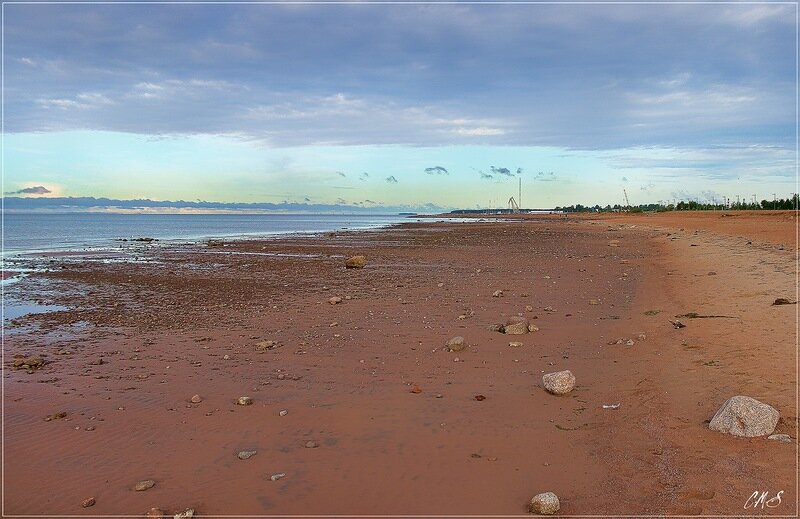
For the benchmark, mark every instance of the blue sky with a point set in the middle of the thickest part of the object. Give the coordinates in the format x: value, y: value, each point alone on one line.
x: 401, y: 105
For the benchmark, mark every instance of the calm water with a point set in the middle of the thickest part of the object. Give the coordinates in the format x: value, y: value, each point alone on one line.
x: 44, y: 232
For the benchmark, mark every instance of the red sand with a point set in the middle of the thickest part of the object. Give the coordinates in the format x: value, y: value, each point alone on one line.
x: 162, y: 330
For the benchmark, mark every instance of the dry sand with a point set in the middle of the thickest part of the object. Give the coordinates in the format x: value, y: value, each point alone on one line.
x: 345, y: 372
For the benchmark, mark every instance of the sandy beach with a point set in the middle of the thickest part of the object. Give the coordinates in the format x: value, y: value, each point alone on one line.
x: 380, y: 418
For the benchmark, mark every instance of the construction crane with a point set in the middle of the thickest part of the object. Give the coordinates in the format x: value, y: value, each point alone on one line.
x: 512, y: 204
x: 627, y: 203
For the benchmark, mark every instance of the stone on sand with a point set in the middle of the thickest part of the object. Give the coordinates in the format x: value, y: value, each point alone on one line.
x: 545, y: 503
x: 335, y: 300
x: 186, y: 514
x: 559, y: 383
x: 266, y: 345
x: 245, y: 455
x: 356, y: 262
x: 516, y: 325
x: 88, y: 502
x: 785, y: 438
x: 196, y: 399
x: 456, y: 344
x: 497, y: 293
x: 144, y: 485
x: 515, y: 344
x: 244, y: 400
x: 745, y: 416
x: 155, y: 513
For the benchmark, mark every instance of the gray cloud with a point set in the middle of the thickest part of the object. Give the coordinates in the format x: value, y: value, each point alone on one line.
x: 341, y: 174
x: 363, y: 176
x: 541, y: 176
x: 436, y: 170
x: 501, y: 171
x: 34, y: 190
x: 391, y: 179
x: 698, y: 73
x: 485, y: 176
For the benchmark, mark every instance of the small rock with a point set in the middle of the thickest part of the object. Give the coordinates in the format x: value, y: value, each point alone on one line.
x: 745, y: 416
x: 544, y: 504
x: 783, y: 301
x: 629, y: 342
x: 528, y: 308
x: 456, y: 344
x: 86, y: 503
x: 497, y: 293
x: 780, y: 437
x: 480, y: 398
x: 516, y: 325
x: 416, y: 389
x: 226, y: 357
x: 56, y: 416
x: 266, y: 345
x: 311, y: 444
x: 549, y: 309
x: 196, y: 399
x: 186, y: 514
x: 495, y: 328
x: 155, y: 513
x: 515, y: 344
x: 559, y: 383
x: 335, y: 300
x: 283, y: 412
x: 144, y: 485
x: 244, y: 400
x: 613, y: 243
x: 356, y: 262
x: 246, y: 455
x: 533, y: 328
x: 594, y: 302
x: 276, y: 477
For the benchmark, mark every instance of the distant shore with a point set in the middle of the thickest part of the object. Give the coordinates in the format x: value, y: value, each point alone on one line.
x: 359, y: 407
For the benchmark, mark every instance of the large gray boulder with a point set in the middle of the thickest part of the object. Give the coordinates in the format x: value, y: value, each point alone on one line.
x: 745, y: 416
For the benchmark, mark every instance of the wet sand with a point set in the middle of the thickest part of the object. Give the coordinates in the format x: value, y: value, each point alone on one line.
x: 344, y: 373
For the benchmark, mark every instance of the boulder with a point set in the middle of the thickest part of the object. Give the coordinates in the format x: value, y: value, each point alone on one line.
x: 559, y: 383
x: 745, y: 416
x: 456, y: 344
x: 545, y: 503
x: 516, y: 326
x: 356, y: 262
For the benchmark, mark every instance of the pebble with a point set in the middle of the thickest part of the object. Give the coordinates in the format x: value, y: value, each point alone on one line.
x: 497, y: 293
x: 186, y: 514
x: 196, y: 399
x: 515, y: 344
x: 244, y: 400
x: 276, y: 477
x: 311, y: 444
x: 226, y: 357
x: 545, y: 504
x: 155, y: 513
x: 88, y: 502
x: 335, y: 300
x: 283, y: 412
x: 245, y: 455
x: 456, y: 344
x: 144, y: 485
x: 780, y: 437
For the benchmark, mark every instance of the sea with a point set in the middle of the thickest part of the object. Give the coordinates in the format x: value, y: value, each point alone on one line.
x: 24, y: 233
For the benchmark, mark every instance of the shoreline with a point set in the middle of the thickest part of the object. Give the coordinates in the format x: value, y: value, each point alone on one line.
x: 344, y: 372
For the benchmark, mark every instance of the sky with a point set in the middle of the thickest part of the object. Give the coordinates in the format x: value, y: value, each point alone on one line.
x: 409, y: 105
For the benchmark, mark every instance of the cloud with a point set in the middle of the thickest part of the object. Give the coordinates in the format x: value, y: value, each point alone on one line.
x: 343, y: 175
x: 541, y: 176
x: 436, y: 170
x: 33, y: 190
x: 502, y: 171
x: 363, y: 176
x: 485, y: 176
x: 391, y: 179
x: 625, y: 179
